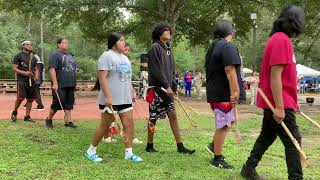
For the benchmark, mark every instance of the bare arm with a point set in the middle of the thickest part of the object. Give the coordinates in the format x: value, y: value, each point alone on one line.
x: 53, y: 77
x: 18, y: 71
x: 233, y: 83
x: 102, y: 75
x: 276, y: 89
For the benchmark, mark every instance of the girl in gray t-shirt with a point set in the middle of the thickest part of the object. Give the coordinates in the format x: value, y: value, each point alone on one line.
x: 114, y: 96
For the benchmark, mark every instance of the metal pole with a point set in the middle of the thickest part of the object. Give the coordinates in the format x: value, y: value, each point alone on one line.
x: 254, y: 62
x: 41, y: 37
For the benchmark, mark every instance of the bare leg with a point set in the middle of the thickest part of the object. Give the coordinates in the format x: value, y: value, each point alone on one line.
x: 106, y: 120
x: 68, y: 115
x: 174, y: 125
x: 51, y: 113
x: 150, y: 133
x: 218, y: 140
x: 28, y: 107
x: 17, y: 105
x: 128, y: 127
x: 107, y: 133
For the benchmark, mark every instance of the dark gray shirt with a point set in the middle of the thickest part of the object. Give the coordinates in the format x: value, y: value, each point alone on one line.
x: 22, y: 60
x: 65, y: 66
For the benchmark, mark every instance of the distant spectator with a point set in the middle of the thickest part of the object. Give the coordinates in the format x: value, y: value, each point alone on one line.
x: 188, y: 83
x: 198, y: 83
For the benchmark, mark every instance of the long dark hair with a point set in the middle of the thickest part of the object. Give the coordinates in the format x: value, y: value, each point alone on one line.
x: 290, y: 21
x: 221, y: 29
x: 113, y: 38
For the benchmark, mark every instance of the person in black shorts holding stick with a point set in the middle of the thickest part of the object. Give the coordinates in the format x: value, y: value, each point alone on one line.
x: 62, y: 69
x: 25, y: 66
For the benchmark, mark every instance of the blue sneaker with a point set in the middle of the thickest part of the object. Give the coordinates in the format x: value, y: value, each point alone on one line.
x: 93, y: 157
x: 134, y: 158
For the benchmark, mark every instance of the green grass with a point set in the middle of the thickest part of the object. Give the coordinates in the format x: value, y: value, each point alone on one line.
x: 29, y: 151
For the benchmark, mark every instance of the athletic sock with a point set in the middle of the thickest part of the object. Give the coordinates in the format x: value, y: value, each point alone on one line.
x: 128, y: 153
x: 14, y: 112
x: 92, y: 150
x: 217, y: 157
x: 180, y: 146
x: 149, y: 145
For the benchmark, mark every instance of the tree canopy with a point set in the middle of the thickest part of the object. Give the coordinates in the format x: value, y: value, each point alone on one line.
x: 89, y: 22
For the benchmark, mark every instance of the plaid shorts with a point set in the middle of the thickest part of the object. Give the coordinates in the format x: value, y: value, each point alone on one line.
x: 224, y: 114
x: 160, y: 104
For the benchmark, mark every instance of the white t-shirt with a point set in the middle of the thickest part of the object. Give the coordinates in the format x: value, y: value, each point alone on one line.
x: 119, y: 77
x: 144, y: 78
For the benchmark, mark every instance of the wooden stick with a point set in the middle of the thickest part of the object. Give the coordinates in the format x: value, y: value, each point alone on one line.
x: 303, y: 156
x: 58, y: 97
x: 30, y: 60
x: 195, y: 111
x: 123, y: 136
x: 308, y: 118
x: 193, y: 123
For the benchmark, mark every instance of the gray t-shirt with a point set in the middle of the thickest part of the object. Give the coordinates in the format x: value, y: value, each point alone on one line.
x: 119, y: 77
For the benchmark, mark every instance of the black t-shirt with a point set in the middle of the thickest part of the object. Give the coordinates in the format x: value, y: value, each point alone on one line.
x: 223, y: 54
x: 22, y: 60
x: 65, y: 67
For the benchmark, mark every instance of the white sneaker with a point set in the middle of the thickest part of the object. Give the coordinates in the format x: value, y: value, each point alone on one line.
x: 93, y: 157
x: 136, y: 141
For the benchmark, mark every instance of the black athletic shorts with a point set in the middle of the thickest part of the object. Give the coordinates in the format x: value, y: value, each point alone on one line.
x: 118, y: 108
x: 160, y: 105
x: 24, y: 91
x: 66, y: 97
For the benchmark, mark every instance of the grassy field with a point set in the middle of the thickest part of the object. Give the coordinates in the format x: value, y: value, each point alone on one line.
x: 29, y: 151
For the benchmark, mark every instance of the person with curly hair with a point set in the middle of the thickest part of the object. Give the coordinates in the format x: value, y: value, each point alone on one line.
x: 162, y: 71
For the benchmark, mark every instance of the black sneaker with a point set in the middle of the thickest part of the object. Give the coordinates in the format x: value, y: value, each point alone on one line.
x: 39, y: 108
x: 220, y: 163
x: 186, y: 151
x: 250, y: 173
x: 210, y: 148
x: 28, y: 119
x: 49, y: 123
x: 151, y: 150
x: 14, y: 116
x: 70, y: 125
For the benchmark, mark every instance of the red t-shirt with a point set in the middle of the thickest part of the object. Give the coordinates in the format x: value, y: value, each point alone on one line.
x: 278, y: 50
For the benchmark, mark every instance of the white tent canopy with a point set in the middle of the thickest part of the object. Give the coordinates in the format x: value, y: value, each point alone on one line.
x: 247, y: 70
x: 306, y: 71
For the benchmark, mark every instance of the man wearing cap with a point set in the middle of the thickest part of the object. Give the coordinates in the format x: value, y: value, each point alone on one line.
x: 25, y: 67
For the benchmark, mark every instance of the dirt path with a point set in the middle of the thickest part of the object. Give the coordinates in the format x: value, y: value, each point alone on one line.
x: 84, y: 109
